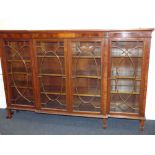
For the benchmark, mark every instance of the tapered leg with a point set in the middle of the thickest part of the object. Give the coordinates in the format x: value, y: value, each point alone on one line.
x: 142, y: 125
x: 104, y: 123
x: 9, y: 114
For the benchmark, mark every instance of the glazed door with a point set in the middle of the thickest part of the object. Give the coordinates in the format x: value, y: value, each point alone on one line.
x: 126, y: 76
x: 86, y: 75
x: 52, y: 73
x: 17, y: 71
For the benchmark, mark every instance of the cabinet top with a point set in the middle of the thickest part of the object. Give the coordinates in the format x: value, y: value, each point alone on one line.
x: 89, y: 33
x: 81, y: 30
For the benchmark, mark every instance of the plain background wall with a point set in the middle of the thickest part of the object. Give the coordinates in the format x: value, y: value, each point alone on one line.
x: 82, y: 14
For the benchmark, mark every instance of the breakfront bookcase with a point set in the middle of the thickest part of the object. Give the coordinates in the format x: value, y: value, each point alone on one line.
x: 91, y: 73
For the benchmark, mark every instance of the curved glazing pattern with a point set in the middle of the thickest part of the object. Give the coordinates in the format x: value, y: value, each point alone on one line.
x: 52, y: 76
x: 86, y: 75
x: 19, y: 71
x: 126, y: 58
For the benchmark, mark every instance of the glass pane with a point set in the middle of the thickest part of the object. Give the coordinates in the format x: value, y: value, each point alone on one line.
x: 124, y: 103
x: 126, y: 62
x: 52, y: 74
x: 126, y: 67
x: 86, y: 71
x: 125, y: 86
x: 19, y: 71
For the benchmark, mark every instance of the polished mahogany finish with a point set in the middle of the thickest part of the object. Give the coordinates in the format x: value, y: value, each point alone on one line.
x: 91, y: 73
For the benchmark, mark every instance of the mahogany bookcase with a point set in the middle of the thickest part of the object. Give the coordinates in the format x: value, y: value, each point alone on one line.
x: 90, y: 73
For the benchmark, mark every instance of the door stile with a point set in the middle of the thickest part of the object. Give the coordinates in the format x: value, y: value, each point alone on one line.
x: 36, y: 88
x: 68, y: 63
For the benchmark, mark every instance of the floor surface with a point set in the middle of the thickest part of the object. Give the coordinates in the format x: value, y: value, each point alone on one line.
x: 29, y: 123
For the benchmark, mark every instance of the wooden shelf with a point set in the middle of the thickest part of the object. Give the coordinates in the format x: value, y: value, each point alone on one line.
x: 82, y: 91
x: 124, y: 77
x: 49, y: 74
x: 126, y: 57
x: 124, y: 92
x: 57, y: 93
x: 47, y: 105
x: 87, y: 76
x: 88, y: 95
x: 22, y: 87
x: 20, y: 73
x: 18, y: 60
x: 118, y: 48
x: 87, y: 57
x: 42, y: 56
x: 53, y: 93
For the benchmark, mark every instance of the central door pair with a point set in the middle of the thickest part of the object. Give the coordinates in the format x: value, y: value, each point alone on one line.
x: 70, y: 74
